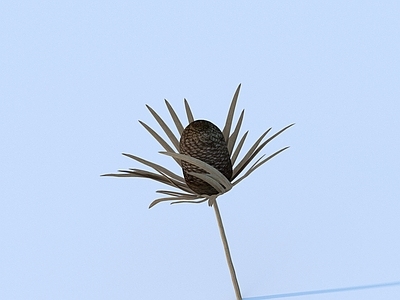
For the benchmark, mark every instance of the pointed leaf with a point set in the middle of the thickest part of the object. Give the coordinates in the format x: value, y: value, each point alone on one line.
x: 159, y: 139
x: 165, y: 127
x: 233, y: 137
x: 178, y: 181
x: 245, y: 160
x: 211, y: 181
x: 188, y: 112
x: 117, y: 175
x: 161, y: 178
x: 145, y: 173
x: 162, y: 200
x: 251, y: 154
x: 227, y: 128
x: 189, y: 201
x: 174, y: 116
x: 178, y: 194
x: 238, y: 148
x: 257, y: 164
x: 156, y: 167
x: 278, y: 133
x: 217, y: 175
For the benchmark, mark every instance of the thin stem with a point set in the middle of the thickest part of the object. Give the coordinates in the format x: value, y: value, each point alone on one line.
x: 227, y: 252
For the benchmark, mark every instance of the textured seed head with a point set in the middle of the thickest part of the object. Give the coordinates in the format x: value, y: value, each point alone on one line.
x: 203, y: 140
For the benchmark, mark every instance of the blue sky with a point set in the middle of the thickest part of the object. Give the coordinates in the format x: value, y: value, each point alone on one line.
x: 75, y: 78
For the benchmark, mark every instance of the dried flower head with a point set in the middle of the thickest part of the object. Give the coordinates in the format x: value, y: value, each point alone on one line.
x: 206, y: 155
x: 203, y: 140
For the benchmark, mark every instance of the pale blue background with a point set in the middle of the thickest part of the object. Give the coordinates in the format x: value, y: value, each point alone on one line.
x: 74, y: 79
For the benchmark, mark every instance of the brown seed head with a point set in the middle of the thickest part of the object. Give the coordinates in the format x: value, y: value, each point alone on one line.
x: 203, y: 140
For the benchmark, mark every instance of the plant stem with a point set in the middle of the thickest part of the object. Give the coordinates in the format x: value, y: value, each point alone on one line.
x: 227, y: 252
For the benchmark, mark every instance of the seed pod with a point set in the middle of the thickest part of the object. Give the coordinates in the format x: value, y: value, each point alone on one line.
x: 203, y: 140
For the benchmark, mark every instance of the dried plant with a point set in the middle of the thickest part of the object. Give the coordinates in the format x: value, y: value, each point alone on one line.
x: 208, y: 158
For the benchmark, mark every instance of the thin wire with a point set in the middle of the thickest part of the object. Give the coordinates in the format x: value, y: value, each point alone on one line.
x: 346, y: 289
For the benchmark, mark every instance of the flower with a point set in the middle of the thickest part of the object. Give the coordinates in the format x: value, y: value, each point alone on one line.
x: 206, y: 156
x: 220, y: 183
